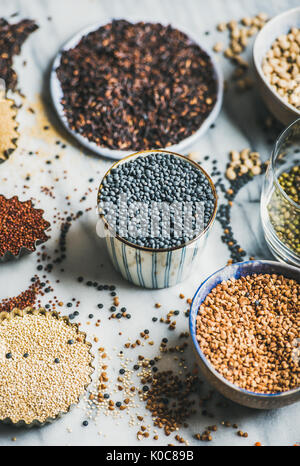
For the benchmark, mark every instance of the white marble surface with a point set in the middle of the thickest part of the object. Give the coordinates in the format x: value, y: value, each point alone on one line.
x: 238, y: 126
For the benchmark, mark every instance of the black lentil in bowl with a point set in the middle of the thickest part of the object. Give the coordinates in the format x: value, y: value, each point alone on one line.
x: 172, y: 198
x: 136, y: 86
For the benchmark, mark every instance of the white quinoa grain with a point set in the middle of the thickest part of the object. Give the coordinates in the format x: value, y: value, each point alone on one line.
x: 52, y: 375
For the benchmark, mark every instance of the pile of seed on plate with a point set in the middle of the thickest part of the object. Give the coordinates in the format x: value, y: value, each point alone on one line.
x: 240, y: 35
x: 130, y: 191
x: 169, y: 399
x: 285, y: 217
x: 248, y: 329
x: 281, y: 67
x: 136, y: 86
x: 12, y: 37
x: 45, y: 365
x: 21, y: 226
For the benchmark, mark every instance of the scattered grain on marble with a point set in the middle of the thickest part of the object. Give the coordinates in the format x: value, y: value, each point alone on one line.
x: 239, y: 33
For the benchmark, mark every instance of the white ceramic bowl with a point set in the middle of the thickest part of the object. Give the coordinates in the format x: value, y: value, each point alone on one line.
x: 281, y: 24
x: 154, y: 268
x: 57, y: 94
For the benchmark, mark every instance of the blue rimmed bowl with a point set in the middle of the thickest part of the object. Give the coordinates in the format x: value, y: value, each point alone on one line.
x: 226, y: 388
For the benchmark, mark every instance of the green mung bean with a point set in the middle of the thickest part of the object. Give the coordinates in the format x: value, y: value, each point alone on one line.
x: 284, y: 216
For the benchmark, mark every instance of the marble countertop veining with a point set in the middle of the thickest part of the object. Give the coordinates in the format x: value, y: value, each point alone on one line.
x: 238, y: 126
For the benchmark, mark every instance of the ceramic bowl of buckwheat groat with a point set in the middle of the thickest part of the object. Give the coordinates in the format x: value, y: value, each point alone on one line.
x: 244, y: 323
x: 276, y: 57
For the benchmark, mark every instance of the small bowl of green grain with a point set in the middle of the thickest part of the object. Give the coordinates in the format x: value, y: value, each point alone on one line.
x: 280, y: 200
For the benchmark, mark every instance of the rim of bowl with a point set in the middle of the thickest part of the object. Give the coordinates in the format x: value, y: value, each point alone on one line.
x: 116, y: 154
x: 273, y: 162
x: 258, y: 66
x: 144, y: 248
x: 203, y: 358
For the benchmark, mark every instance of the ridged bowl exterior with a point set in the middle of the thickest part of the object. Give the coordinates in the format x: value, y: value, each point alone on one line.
x: 226, y: 388
x: 150, y: 269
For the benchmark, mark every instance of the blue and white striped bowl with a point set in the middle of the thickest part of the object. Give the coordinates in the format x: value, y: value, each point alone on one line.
x: 228, y: 389
x: 154, y: 268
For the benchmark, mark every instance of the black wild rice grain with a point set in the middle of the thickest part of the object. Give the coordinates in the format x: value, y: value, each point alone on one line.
x: 12, y: 37
x: 136, y: 86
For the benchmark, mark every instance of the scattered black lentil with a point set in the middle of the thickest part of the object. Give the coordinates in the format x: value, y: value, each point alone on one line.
x: 237, y: 253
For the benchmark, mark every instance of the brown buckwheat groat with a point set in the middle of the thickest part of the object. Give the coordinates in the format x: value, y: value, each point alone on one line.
x: 249, y: 328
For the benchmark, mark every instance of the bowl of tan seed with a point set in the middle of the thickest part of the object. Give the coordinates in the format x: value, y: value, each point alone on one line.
x: 245, y: 326
x: 276, y: 57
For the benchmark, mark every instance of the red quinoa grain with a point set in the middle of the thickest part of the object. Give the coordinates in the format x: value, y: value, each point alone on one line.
x: 21, y: 226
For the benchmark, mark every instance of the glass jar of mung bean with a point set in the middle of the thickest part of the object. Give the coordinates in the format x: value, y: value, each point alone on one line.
x: 280, y: 201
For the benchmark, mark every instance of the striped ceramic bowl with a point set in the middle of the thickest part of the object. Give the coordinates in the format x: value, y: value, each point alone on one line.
x: 228, y: 389
x: 154, y: 268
